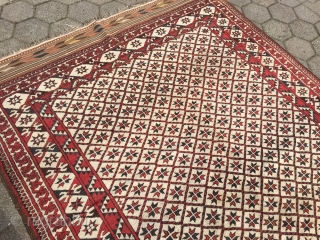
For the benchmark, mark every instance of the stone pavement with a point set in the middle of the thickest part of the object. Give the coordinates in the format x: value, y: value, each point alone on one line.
x: 294, y: 24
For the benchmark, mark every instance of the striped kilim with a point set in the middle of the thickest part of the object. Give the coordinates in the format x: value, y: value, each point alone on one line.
x: 175, y: 120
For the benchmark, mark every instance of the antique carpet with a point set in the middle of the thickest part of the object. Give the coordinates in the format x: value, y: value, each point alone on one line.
x: 174, y: 120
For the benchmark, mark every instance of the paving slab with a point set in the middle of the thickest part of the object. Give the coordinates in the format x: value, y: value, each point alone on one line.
x: 300, y: 48
x: 100, y: 2
x: 10, y: 46
x: 265, y: 3
x: 3, y: 2
x: 305, y: 14
x: 129, y: 2
x: 111, y: 8
x: 316, y: 46
x: 35, y: 2
x: 313, y: 6
x: 282, y: 13
x: 83, y: 11
x: 318, y: 27
x: 57, y: 11
x: 31, y: 31
x: 256, y: 13
x: 11, y: 224
x: 69, y: 2
x: 6, y: 29
x: 277, y: 30
x: 17, y: 11
x: 314, y: 64
x: 304, y: 30
x: 240, y: 3
x: 290, y: 3
x: 65, y: 25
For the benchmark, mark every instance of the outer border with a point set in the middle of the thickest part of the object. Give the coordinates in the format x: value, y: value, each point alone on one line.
x: 17, y: 201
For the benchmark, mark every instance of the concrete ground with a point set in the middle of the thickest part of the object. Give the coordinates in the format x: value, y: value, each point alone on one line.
x: 294, y: 24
